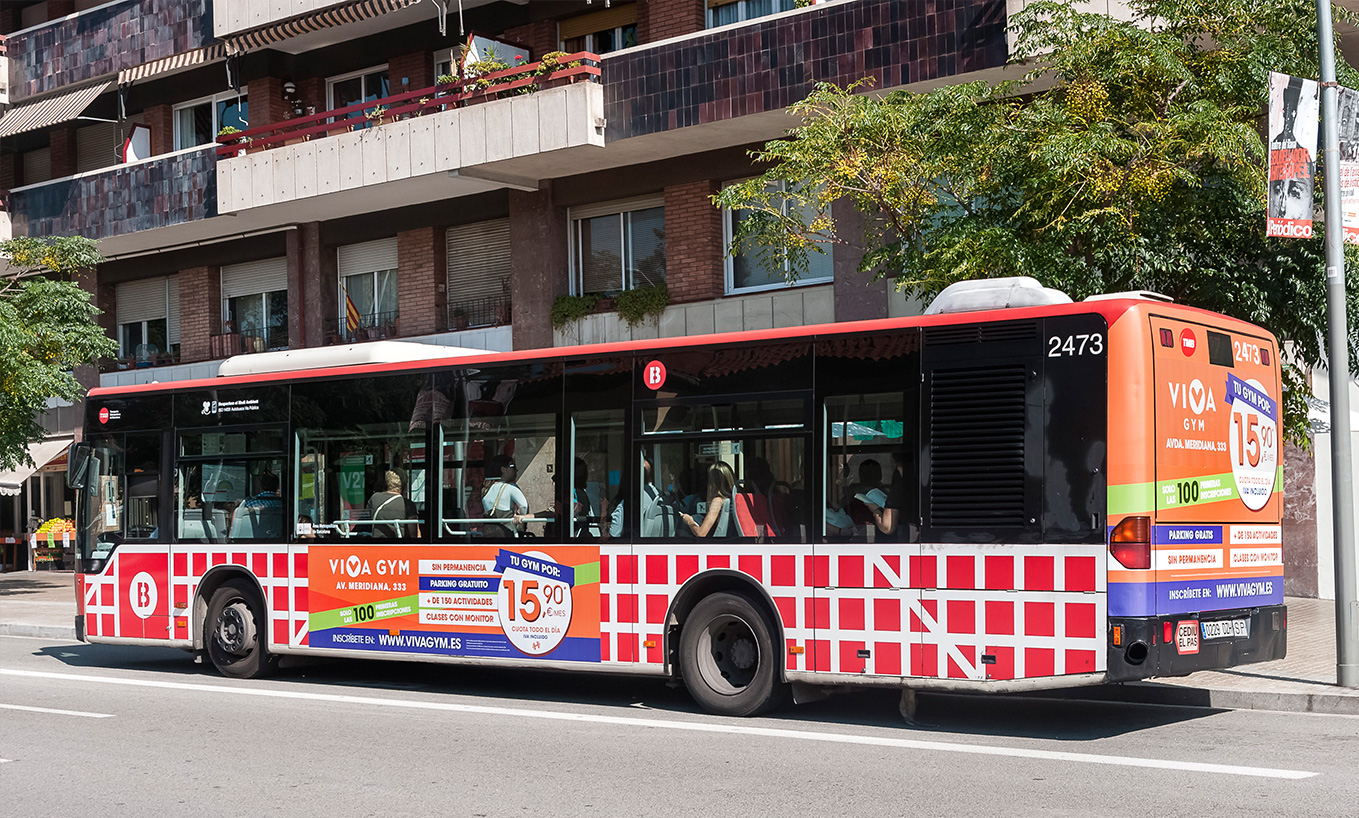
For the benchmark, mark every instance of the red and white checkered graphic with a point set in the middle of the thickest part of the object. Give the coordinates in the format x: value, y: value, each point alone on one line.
x: 974, y: 612
x: 280, y: 570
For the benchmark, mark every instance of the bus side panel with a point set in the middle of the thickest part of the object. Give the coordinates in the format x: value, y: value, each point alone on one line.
x: 1132, y: 464
x: 1217, y: 540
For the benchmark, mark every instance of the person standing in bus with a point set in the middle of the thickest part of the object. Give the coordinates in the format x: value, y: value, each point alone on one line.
x: 388, y: 504
x: 717, y: 519
x: 503, y: 499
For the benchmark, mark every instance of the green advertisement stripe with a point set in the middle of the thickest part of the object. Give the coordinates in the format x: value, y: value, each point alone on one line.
x: 587, y: 574
x: 1132, y: 498
x: 1144, y: 498
x: 347, y: 616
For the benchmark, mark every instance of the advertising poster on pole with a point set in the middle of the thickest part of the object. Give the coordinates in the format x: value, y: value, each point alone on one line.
x: 1348, y: 125
x: 1293, y: 117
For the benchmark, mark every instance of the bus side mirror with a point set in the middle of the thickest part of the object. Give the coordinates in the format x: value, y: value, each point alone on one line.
x: 77, y: 463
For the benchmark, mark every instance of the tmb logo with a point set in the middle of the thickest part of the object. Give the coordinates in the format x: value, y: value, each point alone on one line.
x: 1188, y: 343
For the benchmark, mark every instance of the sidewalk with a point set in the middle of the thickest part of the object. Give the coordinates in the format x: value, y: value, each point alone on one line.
x: 42, y: 604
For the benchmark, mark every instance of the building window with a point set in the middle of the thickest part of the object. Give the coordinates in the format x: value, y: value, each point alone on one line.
x: 148, y: 321
x: 618, y: 247
x: 197, y: 122
x: 360, y: 86
x: 600, y: 32
x: 368, y: 290
x: 255, y: 303
x: 743, y: 10
x: 745, y: 272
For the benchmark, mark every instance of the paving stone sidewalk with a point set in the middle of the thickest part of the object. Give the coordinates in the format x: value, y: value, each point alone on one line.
x: 42, y: 604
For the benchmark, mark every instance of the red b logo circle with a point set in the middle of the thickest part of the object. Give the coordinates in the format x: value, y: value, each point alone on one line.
x: 104, y: 415
x: 1187, y: 342
x: 654, y: 375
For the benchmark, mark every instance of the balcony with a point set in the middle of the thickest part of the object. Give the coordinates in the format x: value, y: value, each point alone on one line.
x: 505, y: 129
x: 371, y: 327
x: 479, y: 312
x: 163, y: 191
x: 102, y: 41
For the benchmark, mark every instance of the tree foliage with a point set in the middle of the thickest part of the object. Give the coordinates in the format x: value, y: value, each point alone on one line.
x: 47, y: 329
x: 1129, y: 156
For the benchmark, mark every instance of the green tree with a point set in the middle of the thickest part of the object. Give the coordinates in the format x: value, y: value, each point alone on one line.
x: 1129, y: 156
x: 47, y: 329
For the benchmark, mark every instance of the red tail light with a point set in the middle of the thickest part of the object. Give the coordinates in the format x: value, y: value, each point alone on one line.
x: 1130, y: 543
x: 1167, y: 632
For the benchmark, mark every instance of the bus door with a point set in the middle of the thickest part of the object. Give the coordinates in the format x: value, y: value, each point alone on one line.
x: 1217, y: 540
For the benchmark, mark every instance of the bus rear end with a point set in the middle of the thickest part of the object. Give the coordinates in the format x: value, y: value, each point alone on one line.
x: 1196, y: 568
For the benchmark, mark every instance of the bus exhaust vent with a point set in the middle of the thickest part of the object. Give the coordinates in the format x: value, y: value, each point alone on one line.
x: 982, y: 333
x: 977, y: 448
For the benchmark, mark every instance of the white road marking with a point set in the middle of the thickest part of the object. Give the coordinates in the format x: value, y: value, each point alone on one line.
x: 695, y: 727
x: 56, y: 712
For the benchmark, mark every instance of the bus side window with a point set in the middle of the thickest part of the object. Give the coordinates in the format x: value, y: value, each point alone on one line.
x: 595, y: 468
x: 143, y: 486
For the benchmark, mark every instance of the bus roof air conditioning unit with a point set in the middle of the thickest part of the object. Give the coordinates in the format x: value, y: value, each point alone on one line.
x: 995, y: 294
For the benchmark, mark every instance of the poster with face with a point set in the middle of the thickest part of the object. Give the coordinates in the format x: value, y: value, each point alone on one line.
x: 1293, y: 117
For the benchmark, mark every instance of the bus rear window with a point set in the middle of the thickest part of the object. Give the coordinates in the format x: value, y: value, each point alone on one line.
x: 1219, y: 349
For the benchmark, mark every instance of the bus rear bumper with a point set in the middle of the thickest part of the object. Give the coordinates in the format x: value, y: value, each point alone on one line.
x: 1143, y: 650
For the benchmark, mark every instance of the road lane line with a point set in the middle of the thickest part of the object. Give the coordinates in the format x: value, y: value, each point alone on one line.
x: 56, y: 712
x: 695, y: 727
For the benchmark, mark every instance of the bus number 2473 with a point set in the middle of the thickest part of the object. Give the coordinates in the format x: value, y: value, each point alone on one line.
x: 1059, y: 345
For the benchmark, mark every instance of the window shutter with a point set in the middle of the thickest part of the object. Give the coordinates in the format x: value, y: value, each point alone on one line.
x: 605, y: 20
x: 141, y: 300
x: 478, y: 261
x: 254, y: 277
x: 172, y: 300
x: 37, y: 166
x: 368, y: 257
x: 95, y: 146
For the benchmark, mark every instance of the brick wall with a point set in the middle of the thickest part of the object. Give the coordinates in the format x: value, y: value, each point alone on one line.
x: 200, y: 312
x: 63, y: 142
x: 693, y: 243
x: 539, y: 36
x: 312, y: 92
x: 266, y: 101
x: 11, y: 171
x: 671, y: 18
x: 161, y: 120
x: 416, y: 68
x: 422, y: 267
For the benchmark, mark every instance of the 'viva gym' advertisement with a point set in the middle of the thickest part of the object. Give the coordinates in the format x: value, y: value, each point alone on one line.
x: 512, y: 602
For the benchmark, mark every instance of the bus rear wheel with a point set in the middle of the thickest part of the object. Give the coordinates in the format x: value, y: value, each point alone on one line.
x: 728, y: 659
x: 235, y: 631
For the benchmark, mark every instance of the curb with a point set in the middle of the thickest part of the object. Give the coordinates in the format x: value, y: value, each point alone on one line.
x: 38, y: 631
x: 1217, y: 698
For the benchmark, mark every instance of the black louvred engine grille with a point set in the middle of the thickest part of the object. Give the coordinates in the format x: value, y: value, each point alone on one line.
x: 977, y: 448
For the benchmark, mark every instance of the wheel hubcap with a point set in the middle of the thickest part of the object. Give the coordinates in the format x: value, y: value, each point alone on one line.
x: 729, y: 655
x: 236, y: 629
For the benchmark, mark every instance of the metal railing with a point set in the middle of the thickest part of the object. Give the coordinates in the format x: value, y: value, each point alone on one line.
x: 371, y: 327
x: 492, y: 311
x: 523, y: 79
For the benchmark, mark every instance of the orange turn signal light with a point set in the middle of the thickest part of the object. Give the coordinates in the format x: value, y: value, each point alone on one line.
x: 796, y: 650
x: 1118, y: 636
x: 1130, y: 543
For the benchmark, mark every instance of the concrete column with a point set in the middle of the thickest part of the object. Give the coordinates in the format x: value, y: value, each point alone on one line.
x: 857, y: 296
x: 309, y: 302
x: 538, y: 263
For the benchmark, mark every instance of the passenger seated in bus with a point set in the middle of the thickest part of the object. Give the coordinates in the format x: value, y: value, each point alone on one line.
x: 586, y: 523
x: 889, y: 515
x: 657, y: 516
x: 503, y: 499
x: 870, y: 478
x: 260, y: 515
x: 717, y: 518
x: 388, y: 504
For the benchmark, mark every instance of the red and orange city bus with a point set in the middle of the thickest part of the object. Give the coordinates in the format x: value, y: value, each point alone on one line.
x: 985, y: 498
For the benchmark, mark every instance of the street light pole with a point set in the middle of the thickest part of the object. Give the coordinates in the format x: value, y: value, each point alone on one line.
x: 1342, y: 477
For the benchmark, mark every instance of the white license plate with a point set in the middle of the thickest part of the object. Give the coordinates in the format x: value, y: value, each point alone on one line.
x: 1226, y: 629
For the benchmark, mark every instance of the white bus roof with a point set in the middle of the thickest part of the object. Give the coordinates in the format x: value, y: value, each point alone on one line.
x: 369, y: 352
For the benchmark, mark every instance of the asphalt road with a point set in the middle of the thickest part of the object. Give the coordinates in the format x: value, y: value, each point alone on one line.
x: 99, y: 730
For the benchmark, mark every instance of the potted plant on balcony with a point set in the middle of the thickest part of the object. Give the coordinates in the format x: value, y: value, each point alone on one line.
x: 227, y: 130
x: 458, y: 318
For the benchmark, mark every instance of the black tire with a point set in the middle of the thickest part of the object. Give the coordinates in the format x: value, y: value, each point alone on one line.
x: 234, y: 634
x: 728, y: 658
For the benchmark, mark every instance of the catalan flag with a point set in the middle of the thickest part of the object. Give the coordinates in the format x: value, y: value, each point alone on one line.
x: 351, y: 313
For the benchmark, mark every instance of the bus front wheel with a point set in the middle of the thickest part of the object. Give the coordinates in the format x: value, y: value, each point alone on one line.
x: 235, y: 631
x: 728, y: 659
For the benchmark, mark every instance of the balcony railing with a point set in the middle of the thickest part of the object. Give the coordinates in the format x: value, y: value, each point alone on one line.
x: 372, y: 327
x: 493, y: 311
x: 525, y: 79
